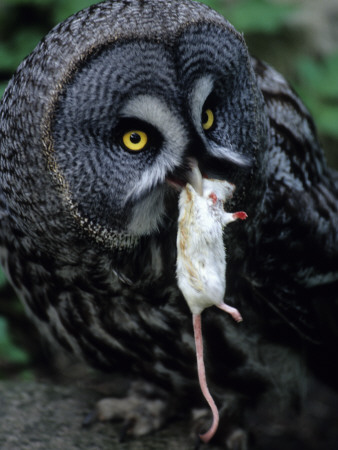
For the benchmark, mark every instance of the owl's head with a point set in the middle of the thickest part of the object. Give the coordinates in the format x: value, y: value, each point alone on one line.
x: 128, y: 91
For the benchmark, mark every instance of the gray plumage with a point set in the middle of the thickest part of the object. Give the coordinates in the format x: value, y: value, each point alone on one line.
x: 88, y: 228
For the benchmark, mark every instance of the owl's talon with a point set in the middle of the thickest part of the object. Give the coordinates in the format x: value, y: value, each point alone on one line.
x: 142, y: 411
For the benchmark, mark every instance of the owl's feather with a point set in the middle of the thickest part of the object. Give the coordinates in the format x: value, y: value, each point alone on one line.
x: 302, y: 209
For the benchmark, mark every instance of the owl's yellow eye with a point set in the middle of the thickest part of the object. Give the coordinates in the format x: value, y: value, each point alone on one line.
x: 135, y: 140
x: 207, y: 119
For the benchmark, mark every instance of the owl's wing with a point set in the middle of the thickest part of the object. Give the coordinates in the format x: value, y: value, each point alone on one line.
x: 3, y: 207
x: 4, y: 215
x: 296, y: 264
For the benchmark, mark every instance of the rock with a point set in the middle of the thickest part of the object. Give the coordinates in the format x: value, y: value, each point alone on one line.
x: 36, y: 416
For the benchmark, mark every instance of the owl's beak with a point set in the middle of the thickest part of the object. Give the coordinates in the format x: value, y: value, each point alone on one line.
x: 195, y: 177
x: 190, y: 173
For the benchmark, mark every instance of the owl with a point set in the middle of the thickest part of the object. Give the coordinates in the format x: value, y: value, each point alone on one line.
x: 97, y: 127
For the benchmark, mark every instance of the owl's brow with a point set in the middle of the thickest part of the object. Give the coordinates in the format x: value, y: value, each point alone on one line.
x: 154, y: 111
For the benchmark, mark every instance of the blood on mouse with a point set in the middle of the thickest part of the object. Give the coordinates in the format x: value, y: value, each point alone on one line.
x: 213, y: 197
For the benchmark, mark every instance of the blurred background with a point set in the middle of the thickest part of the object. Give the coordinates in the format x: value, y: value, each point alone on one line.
x: 298, y: 37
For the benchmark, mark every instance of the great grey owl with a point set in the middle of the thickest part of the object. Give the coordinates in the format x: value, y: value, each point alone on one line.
x: 97, y: 126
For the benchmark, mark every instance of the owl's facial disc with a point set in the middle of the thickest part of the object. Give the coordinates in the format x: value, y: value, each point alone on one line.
x: 131, y: 115
x: 117, y: 132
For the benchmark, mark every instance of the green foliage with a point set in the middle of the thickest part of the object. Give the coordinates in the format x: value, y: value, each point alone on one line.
x: 318, y: 87
x: 254, y: 15
x: 25, y: 2
x: 9, y: 352
x: 3, y: 279
x: 258, y: 15
x: 23, y: 23
x: 15, y: 49
x: 64, y: 8
x: 14, y: 360
x: 214, y: 4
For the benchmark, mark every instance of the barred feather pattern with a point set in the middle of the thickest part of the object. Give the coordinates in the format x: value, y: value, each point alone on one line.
x: 120, y: 308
